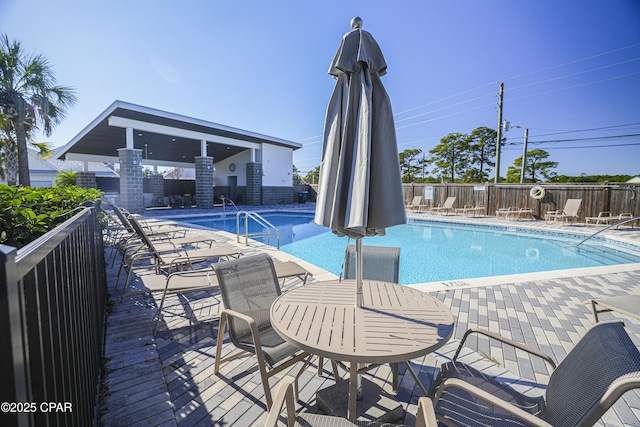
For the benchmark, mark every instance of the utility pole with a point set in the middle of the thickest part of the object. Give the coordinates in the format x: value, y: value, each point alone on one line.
x: 524, y: 155
x: 499, y: 132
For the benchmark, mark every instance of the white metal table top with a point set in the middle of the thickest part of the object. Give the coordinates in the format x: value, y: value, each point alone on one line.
x: 395, y: 324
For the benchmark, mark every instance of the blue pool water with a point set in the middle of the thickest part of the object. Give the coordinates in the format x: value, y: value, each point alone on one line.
x: 432, y: 251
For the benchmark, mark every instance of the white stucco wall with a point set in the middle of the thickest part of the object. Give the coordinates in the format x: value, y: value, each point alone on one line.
x: 277, y: 165
x: 223, y: 172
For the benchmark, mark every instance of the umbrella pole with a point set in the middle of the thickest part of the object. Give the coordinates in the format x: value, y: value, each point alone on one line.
x: 359, y: 294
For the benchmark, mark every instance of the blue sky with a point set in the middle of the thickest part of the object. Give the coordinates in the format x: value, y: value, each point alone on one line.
x: 571, y: 68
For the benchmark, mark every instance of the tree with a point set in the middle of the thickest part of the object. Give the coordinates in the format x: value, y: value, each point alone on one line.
x: 312, y: 177
x: 451, y: 156
x: 29, y: 97
x: 66, y: 178
x: 482, y: 149
x: 408, y: 170
x: 537, y: 167
x: 295, y: 174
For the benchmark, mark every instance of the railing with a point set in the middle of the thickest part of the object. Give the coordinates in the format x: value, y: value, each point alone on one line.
x: 224, y: 204
x: 268, y: 228
x: 52, y: 321
x: 608, y: 227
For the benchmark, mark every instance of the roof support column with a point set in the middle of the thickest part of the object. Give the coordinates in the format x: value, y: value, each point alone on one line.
x: 131, y: 180
x: 204, y: 181
x: 129, y: 139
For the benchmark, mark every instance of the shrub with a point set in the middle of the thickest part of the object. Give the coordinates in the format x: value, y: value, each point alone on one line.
x: 27, y: 213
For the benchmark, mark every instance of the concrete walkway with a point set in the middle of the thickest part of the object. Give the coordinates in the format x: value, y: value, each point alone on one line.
x: 168, y: 379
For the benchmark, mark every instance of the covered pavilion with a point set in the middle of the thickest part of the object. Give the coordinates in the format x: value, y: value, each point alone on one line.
x: 132, y: 135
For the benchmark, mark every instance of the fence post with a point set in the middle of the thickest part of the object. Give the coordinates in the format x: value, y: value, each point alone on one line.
x: 13, y: 369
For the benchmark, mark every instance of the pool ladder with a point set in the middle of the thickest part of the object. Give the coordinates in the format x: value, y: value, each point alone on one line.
x: 268, y: 228
x: 608, y: 227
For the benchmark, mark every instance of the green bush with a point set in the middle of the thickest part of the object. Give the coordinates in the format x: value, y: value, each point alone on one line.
x: 27, y: 213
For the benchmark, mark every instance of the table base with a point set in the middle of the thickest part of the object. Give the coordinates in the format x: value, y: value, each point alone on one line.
x: 376, y: 405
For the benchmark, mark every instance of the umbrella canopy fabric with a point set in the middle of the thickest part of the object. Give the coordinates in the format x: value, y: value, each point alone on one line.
x: 360, y: 187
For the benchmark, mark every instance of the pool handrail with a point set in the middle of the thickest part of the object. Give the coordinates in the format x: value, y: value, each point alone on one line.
x: 261, y: 221
x: 623, y: 221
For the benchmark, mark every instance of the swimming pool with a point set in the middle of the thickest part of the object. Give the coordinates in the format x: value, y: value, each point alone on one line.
x: 433, y: 251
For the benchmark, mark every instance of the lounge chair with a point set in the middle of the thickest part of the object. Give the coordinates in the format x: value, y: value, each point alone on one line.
x: 521, y: 213
x: 628, y: 305
x: 168, y: 258
x: 416, y: 204
x: 602, y: 366
x: 285, y: 397
x: 505, y: 212
x: 603, y: 218
x: 198, y: 280
x: 248, y: 287
x: 570, y: 212
x: 446, y: 207
x: 469, y: 210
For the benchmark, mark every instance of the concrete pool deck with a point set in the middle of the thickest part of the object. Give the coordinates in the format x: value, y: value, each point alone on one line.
x: 168, y: 379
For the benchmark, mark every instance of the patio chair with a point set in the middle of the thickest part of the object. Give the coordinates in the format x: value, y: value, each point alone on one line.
x: 285, y: 398
x: 628, y: 305
x: 248, y: 287
x: 446, y: 206
x: 416, y: 204
x: 602, y: 366
x: 570, y: 212
x: 378, y: 263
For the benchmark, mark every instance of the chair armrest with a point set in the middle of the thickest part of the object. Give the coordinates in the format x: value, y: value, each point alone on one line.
x: 426, y: 416
x: 491, y: 399
x: 500, y: 338
x: 255, y: 334
x: 284, y: 396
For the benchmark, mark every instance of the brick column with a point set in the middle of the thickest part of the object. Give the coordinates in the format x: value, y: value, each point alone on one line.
x: 253, y: 191
x: 156, y: 187
x: 131, y: 197
x: 86, y: 179
x: 204, y: 181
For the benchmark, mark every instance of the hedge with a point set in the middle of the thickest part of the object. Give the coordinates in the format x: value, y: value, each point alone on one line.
x: 27, y: 213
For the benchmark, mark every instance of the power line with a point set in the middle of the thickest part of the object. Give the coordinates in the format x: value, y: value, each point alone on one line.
x: 575, y: 74
x: 573, y: 62
x: 513, y: 147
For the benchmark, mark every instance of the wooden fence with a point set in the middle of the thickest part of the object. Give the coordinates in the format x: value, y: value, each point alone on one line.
x: 52, y: 321
x: 596, y: 198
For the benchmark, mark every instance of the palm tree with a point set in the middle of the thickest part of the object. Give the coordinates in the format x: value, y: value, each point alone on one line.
x: 29, y: 97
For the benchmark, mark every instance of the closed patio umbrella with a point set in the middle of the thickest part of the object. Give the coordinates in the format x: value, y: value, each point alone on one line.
x: 360, y: 186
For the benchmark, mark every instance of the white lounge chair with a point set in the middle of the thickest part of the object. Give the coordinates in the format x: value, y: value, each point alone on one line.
x: 416, y: 204
x: 446, y: 207
x: 569, y: 213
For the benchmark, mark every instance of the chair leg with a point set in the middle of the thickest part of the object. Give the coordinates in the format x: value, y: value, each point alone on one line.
x: 221, y: 328
x: 394, y: 370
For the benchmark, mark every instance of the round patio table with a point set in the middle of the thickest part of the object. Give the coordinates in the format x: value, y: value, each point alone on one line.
x: 395, y: 324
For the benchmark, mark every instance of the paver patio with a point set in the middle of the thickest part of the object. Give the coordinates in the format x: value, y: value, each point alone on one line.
x: 168, y: 380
